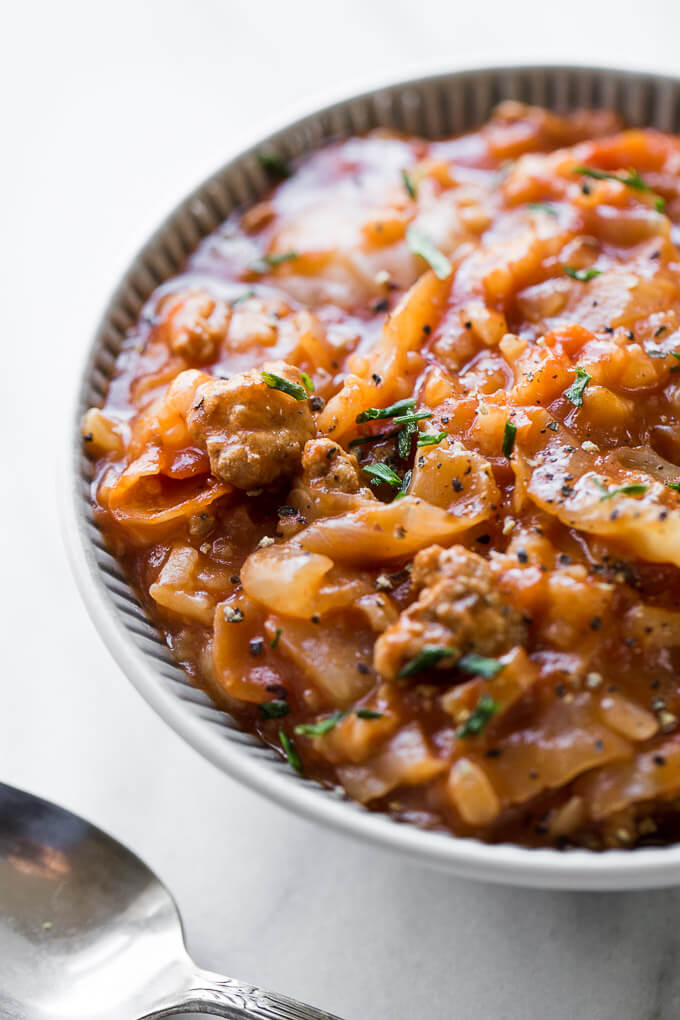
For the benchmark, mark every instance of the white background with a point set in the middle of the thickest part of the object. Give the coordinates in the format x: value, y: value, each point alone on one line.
x: 109, y: 113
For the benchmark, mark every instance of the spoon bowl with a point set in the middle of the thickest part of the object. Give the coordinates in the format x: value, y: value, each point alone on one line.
x: 89, y: 933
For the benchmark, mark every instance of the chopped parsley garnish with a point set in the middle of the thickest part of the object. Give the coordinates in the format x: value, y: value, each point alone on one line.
x: 245, y: 296
x: 291, y: 751
x: 581, y: 274
x: 430, y: 438
x: 675, y: 486
x: 323, y: 726
x: 575, y: 392
x: 426, y: 659
x: 635, y: 489
x: 509, y: 433
x: 676, y: 355
x: 408, y: 419
x: 274, y: 709
x: 421, y: 244
x: 272, y: 260
x: 631, y: 179
x: 277, y: 637
x: 368, y: 713
x: 405, y: 439
x: 543, y: 207
x: 273, y: 164
x: 307, y: 382
x: 277, y: 382
x: 479, y: 665
x: 381, y: 472
x: 404, y: 485
x: 399, y: 408
x: 480, y: 717
x: 409, y: 184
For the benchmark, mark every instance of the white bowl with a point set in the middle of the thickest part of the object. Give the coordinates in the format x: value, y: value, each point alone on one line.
x: 440, y: 105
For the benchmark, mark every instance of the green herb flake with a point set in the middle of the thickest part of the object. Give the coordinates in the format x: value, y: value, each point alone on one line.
x: 479, y: 665
x: 245, y: 296
x: 290, y: 751
x: 575, y: 392
x: 368, y: 713
x: 277, y: 382
x: 274, y: 164
x: 426, y: 659
x: 323, y: 726
x: 409, y: 184
x: 635, y: 489
x: 397, y: 409
x: 404, y: 485
x: 430, y: 438
x: 308, y: 382
x: 409, y: 419
x: 676, y: 355
x: 381, y: 472
x: 277, y: 637
x: 274, y: 709
x: 405, y: 439
x: 271, y: 261
x: 631, y: 179
x: 480, y: 717
x: 420, y: 244
x: 509, y: 434
x: 543, y: 207
x: 583, y: 275
x: 675, y: 486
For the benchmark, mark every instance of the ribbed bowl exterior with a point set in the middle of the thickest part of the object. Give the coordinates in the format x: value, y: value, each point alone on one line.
x: 435, y: 106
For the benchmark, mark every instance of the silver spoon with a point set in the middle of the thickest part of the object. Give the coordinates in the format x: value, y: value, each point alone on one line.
x: 88, y: 931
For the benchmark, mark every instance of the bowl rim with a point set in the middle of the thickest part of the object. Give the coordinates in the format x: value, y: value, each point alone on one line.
x: 504, y: 863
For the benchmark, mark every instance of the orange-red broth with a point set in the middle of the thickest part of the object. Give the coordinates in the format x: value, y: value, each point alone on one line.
x: 555, y: 273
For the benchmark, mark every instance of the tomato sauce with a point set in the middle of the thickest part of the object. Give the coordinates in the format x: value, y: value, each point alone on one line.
x: 394, y: 465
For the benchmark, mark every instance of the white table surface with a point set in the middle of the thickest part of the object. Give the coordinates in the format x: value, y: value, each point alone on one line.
x: 109, y: 114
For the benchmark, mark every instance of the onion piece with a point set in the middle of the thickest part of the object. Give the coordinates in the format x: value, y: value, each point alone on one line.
x: 453, y: 478
x: 147, y: 503
x: 178, y: 586
x: 328, y: 657
x: 381, y: 532
x: 564, y: 740
x: 650, y: 775
x: 295, y: 582
x: 472, y: 793
x: 579, y: 489
x: 644, y: 458
x: 406, y: 761
x: 653, y: 627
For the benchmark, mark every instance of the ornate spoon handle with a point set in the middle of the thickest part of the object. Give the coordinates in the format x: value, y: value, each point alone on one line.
x: 225, y: 997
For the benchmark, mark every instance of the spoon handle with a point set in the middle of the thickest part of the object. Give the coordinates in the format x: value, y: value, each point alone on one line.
x: 226, y: 997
